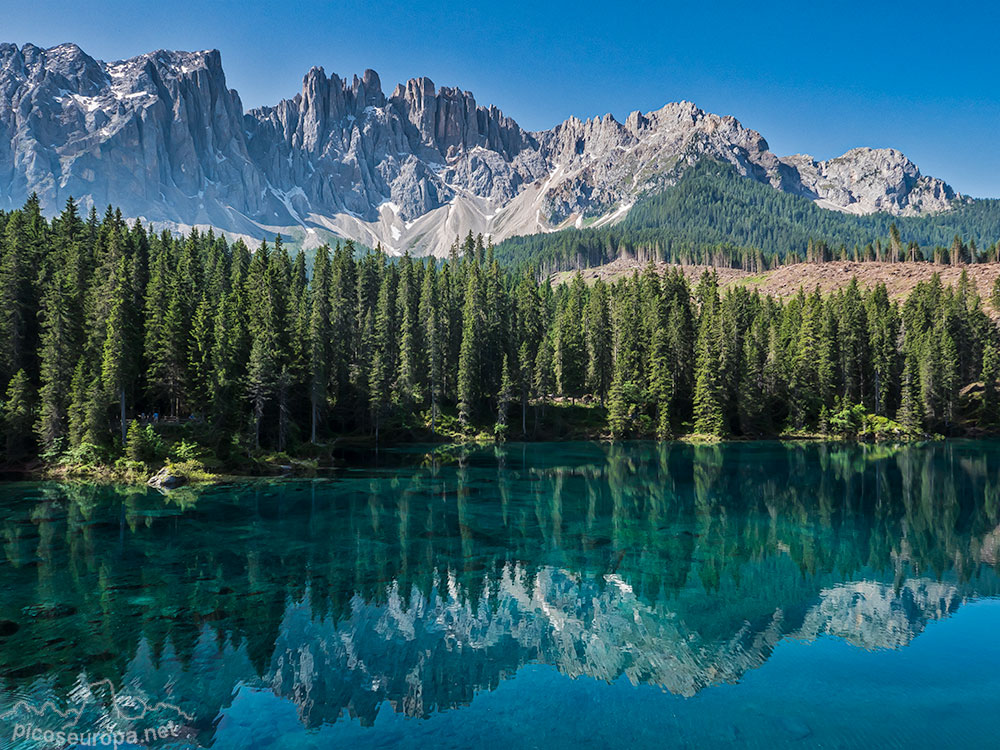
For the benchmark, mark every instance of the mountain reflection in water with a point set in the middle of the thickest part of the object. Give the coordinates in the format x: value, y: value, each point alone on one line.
x: 415, y: 585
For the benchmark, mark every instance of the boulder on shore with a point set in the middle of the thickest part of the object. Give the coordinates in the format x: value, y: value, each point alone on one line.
x: 165, y: 480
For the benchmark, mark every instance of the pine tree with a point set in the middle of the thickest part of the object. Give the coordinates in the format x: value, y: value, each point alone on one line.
x: 570, y: 362
x: 598, y: 326
x: 989, y: 416
x: 18, y: 415
x: 136, y: 446
x: 260, y: 379
x: 201, y: 347
x: 543, y: 376
x: 230, y: 353
x: 805, y: 402
x: 264, y: 324
x: 660, y: 388
x: 623, y: 400
x: 320, y: 336
x: 57, y: 355
x: 433, y: 354
x: 409, y: 377
x: 911, y: 409
x: 18, y: 309
x: 384, y: 349
x: 681, y: 343
x: 752, y: 399
x: 119, y: 362
x: 504, y: 398
x: 708, y: 414
x: 470, y: 355
x: 883, y: 324
x: 285, y: 313
x: 343, y: 321
x: 852, y: 335
x: 528, y: 315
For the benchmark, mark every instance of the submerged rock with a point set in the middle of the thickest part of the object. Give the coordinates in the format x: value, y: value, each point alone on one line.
x: 796, y: 728
x: 49, y: 611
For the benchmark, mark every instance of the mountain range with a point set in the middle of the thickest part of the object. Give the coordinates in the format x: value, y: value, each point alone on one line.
x: 163, y: 137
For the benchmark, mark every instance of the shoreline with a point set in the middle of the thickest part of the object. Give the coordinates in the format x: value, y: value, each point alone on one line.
x: 185, y: 475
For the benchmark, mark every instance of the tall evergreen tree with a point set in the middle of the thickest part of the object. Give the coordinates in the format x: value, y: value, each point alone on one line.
x: 18, y: 416
x: 119, y: 362
x: 470, y: 354
x: 708, y: 414
x: 320, y: 340
x: 384, y: 349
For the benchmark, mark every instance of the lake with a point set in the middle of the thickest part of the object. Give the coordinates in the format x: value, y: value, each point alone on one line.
x: 574, y: 595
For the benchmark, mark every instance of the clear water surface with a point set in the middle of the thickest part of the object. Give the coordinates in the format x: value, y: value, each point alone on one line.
x: 546, y: 595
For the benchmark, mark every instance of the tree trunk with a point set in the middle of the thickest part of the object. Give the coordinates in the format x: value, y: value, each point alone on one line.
x: 122, y: 404
x: 282, y: 416
x: 258, y: 415
x: 315, y: 419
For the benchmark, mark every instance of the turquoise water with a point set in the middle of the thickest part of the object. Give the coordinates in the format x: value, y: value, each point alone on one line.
x: 546, y: 595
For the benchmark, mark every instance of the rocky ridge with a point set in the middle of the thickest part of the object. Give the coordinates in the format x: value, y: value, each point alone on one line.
x: 163, y: 137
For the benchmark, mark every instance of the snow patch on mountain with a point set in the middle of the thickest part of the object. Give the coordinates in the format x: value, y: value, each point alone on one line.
x: 163, y: 137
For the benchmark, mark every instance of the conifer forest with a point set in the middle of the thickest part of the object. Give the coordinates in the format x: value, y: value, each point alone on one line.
x: 112, y: 331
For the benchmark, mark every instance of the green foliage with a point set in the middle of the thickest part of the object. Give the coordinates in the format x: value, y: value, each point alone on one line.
x: 192, y: 470
x: 143, y: 444
x: 848, y: 420
x: 136, y: 448
x: 84, y: 454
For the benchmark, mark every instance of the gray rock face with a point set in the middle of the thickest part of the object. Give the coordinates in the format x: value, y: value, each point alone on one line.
x: 158, y: 135
x: 162, y: 137
x: 867, y: 180
x: 612, y: 164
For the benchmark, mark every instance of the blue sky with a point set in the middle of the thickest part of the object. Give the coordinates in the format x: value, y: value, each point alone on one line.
x: 924, y: 78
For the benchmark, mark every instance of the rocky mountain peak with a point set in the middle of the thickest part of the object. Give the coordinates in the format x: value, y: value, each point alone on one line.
x: 163, y: 137
x: 867, y: 180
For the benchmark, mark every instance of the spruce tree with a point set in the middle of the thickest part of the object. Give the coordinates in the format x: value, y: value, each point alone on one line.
x: 409, y: 377
x: 911, y: 408
x: 470, y: 354
x: 708, y: 414
x: 752, y: 398
x: 384, y: 349
x: 18, y: 299
x: 58, y: 354
x: 200, y: 350
x: 136, y: 447
x: 229, y: 356
x: 570, y: 361
x: 504, y: 398
x: 989, y: 416
x: 433, y: 341
x: 119, y: 362
x: 320, y: 337
x: 18, y: 416
x: 599, y: 351
x: 660, y: 389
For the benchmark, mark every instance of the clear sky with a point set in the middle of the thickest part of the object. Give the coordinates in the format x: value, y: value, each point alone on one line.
x: 921, y: 77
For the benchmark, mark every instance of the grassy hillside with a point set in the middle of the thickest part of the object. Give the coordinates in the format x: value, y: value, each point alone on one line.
x: 785, y: 281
